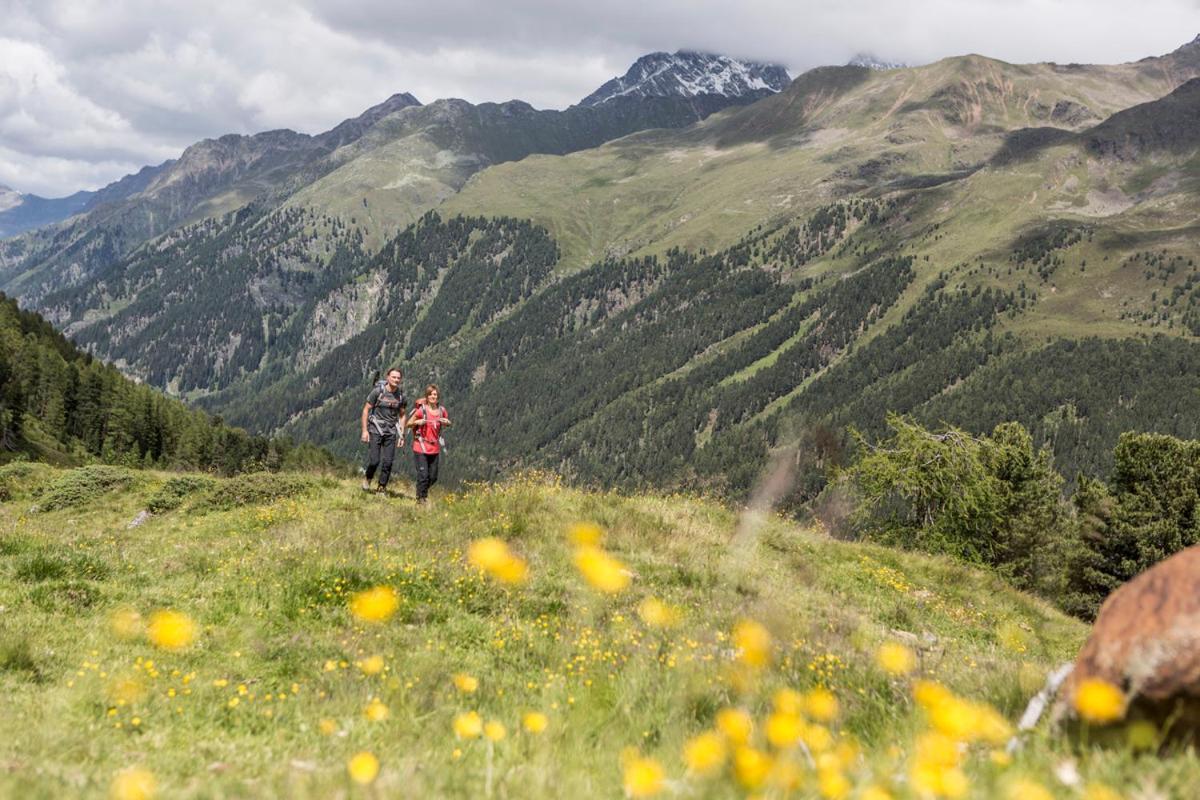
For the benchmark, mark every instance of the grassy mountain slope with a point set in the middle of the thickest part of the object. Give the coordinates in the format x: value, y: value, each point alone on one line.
x: 270, y: 698
x: 834, y: 131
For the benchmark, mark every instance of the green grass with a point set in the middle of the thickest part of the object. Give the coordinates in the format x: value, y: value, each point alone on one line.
x: 239, y: 713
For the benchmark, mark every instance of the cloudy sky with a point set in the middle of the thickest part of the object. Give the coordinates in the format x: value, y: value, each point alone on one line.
x: 90, y: 91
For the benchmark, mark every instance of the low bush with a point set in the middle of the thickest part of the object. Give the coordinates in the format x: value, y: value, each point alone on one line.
x: 81, y: 486
x: 255, y: 488
x: 177, y: 490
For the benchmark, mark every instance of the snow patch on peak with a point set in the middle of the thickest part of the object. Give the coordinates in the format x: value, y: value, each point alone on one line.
x: 871, y: 61
x: 9, y: 198
x: 690, y: 74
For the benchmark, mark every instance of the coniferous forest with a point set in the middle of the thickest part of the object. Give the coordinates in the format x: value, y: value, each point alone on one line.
x: 62, y: 405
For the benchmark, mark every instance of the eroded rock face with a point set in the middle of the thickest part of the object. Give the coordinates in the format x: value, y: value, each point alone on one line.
x: 1146, y: 641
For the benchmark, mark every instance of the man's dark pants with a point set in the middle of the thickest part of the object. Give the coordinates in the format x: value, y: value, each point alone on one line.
x: 381, y: 451
x: 427, y: 472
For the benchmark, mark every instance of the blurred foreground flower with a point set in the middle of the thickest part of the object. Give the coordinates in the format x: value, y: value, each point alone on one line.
x: 534, y: 722
x: 735, y: 725
x: 896, y: 659
x: 601, y: 570
x: 376, y: 711
x: 135, y: 783
x: 753, y: 643
x: 468, y: 725
x: 465, y: 683
x: 491, y: 555
x: 657, y: 614
x: 171, y: 630
x: 372, y: 665
x: 495, y: 730
x: 705, y: 754
x: 585, y: 534
x: 643, y: 777
x: 363, y: 767
x: 375, y: 605
x: 1099, y: 702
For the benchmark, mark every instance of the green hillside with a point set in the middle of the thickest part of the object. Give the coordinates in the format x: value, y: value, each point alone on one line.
x: 282, y: 685
x: 60, y: 405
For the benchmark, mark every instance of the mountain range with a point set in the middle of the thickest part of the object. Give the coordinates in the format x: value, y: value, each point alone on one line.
x: 693, y: 270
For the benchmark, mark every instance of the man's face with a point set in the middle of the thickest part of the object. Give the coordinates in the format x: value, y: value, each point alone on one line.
x: 393, y: 378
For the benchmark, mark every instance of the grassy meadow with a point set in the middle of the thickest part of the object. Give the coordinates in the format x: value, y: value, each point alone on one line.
x: 601, y: 661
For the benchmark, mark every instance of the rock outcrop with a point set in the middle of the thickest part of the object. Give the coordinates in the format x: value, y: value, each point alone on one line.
x: 1146, y: 641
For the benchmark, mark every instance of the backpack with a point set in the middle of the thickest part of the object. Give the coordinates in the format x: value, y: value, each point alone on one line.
x: 381, y: 385
x: 441, y: 438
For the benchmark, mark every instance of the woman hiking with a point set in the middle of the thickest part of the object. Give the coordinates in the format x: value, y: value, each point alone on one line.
x: 427, y: 420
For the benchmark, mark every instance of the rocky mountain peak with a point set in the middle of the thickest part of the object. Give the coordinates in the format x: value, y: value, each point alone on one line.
x: 350, y: 129
x: 689, y: 74
x: 871, y: 61
x: 9, y: 198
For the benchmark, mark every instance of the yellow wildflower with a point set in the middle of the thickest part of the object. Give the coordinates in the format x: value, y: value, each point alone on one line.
x: 753, y: 642
x: 375, y: 605
x: 896, y: 659
x: 643, y: 777
x: 534, y: 722
x: 492, y: 555
x: 751, y: 767
x: 821, y: 705
x: 327, y: 727
x: 465, y: 683
x: 363, y: 767
x: 601, y: 570
x: 735, y: 724
x: 788, y: 701
x: 705, y: 754
x: 134, y: 783
x: 495, y: 730
x: 585, y: 534
x: 376, y: 711
x: 1025, y: 789
x: 783, y: 729
x: 1098, y: 791
x: 832, y: 784
x: 816, y: 738
x: 468, y: 725
x: 372, y: 665
x: 171, y: 630
x: 875, y: 792
x: 1098, y: 701
x: 657, y: 614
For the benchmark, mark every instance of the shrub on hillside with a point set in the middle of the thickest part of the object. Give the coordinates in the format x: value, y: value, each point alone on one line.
x: 1148, y: 512
x: 255, y: 488
x: 10, y: 475
x: 81, y: 486
x: 178, y: 489
x: 991, y: 500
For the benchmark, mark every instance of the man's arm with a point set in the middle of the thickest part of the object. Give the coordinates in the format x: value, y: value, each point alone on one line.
x: 365, y: 413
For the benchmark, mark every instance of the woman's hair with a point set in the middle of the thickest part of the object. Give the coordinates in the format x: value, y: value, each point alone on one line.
x: 430, y: 388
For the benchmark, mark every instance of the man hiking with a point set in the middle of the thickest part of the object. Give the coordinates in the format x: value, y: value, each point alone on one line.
x: 427, y: 420
x: 381, y: 417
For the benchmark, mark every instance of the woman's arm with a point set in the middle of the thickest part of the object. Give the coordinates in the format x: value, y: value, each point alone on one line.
x: 412, y: 420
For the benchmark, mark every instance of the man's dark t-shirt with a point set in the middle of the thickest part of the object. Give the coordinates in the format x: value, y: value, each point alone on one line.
x: 386, y: 408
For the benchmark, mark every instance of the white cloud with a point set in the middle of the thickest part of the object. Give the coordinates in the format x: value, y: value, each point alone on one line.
x: 90, y: 90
